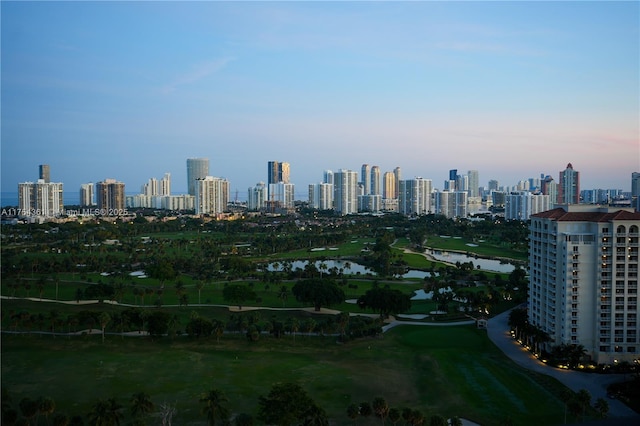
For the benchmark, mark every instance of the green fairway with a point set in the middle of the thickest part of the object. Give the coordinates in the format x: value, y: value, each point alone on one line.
x: 480, y: 247
x: 439, y: 370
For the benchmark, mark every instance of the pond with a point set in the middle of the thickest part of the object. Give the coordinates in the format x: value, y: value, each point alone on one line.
x: 344, y: 266
x: 485, y: 264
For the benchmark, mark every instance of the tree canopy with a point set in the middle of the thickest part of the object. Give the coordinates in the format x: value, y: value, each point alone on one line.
x: 287, y: 404
x: 385, y: 301
x: 319, y: 291
x: 237, y: 293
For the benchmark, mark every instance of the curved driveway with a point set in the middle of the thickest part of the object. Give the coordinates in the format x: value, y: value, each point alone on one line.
x: 499, y: 333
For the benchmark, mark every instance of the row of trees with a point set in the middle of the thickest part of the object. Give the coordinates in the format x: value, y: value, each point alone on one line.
x: 411, y: 417
x: 285, y: 404
x: 158, y: 323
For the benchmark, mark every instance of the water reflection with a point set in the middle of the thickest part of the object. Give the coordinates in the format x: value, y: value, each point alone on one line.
x: 341, y: 266
x: 485, y: 264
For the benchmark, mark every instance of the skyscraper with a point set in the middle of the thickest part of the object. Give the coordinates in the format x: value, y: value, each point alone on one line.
x: 321, y: 196
x: 164, y: 188
x: 474, y: 183
x: 365, y: 176
x: 87, y: 195
x: 346, y: 194
x: 583, y: 285
x: 398, y: 174
x: 40, y: 198
x: 110, y: 197
x: 257, y: 197
x: 212, y: 195
x: 375, y: 181
x: 635, y: 190
x: 415, y: 196
x: 45, y: 173
x: 327, y: 177
x: 569, y: 186
x: 278, y: 172
x: 389, y: 186
x: 197, y: 168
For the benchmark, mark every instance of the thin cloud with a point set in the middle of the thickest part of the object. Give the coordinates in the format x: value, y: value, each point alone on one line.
x: 197, y: 73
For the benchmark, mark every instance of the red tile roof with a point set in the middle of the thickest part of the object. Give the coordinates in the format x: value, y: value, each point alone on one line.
x: 562, y: 215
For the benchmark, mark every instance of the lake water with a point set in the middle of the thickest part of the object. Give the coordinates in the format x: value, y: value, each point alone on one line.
x: 353, y: 269
x: 485, y: 264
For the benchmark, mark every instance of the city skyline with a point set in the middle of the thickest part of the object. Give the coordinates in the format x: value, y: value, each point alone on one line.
x: 131, y: 90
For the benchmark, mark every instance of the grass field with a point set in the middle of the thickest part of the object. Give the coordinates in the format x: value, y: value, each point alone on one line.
x: 439, y: 370
x: 481, y: 248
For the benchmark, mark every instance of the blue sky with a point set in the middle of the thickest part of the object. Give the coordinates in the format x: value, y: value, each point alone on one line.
x: 129, y: 90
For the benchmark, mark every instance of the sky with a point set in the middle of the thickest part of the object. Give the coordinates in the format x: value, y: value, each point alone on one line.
x: 130, y: 90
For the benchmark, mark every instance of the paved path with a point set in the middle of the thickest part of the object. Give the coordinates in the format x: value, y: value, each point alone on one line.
x: 499, y: 333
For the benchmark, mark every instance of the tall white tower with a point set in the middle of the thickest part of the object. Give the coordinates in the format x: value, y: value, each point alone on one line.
x: 346, y: 192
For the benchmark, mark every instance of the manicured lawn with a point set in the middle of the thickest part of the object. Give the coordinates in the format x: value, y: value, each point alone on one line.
x: 439, y: 370
x: 481, y: 248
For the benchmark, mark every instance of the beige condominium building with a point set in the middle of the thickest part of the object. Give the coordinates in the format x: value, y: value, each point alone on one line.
x: 583, y: 285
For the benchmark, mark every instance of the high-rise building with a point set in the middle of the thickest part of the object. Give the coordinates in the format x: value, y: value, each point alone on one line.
x: 365, y: 176
x: 40, y: 199
x: 212, y: 195
x: 375, y: 181
x: 474, y: 183
x: 277, y: 172
x: 397, y: 172
x: 453, y: 176
x: 583, y: 285
x: 389, y: 186
x: 281, y: 195
x: 87, y: 195
x: 452, y: 204
x: 164, y: 188
x: 150, y: 189
x: 521, y: 205
x: 635, y: 190
x: 321, y: 196
x: 197, y: 168
x: 257, y: 197
x: 493, y: 185
x: 346, y: 195
x: 569, y: 186
x: 327, y: 177
x: 44, y: 173
x: 110, y: 198
x: 415, y: 196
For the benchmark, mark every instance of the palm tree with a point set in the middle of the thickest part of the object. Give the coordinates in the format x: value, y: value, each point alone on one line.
x: 46, y: 406
x: 315, y: 416
x: 28, y: 408
x: 394, y: 415
x: 104, y: 319
x: 380, y: 407
x: 283, y: 294
x: 141, y: 406
x: 584, y: 398
x: 213, y: 406
x: 602, y: 407
x: 199, y: 286
x: 294, y: 326
x: 105, y: 413
x: 365, y: 409
x: 353, y: 411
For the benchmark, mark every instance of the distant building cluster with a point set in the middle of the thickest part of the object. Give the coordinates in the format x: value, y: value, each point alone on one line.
x: 344, y: 191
